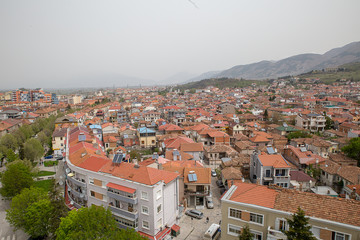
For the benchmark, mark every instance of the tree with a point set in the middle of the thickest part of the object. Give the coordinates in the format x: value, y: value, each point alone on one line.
x: 30, y: 210
x: 299, y: 227
x: 94, y: 222
x: 246, y: 234
x: 298, y: 134
x: 266, y: 115
x: 329, y: 123
x: 33, y: 149
x: 352, y: 150
x: 59, y: 209
x: 11, y: 156
x: 43, y: 138
x: 16, y: 177
x: 9, y: 141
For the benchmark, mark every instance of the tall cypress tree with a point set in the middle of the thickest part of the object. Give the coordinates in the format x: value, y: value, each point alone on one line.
x: 246, y: 234
x: 299, y: 228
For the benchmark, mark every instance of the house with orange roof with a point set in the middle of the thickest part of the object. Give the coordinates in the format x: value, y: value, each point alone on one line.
x: 269, y: 169
x: 265, y: 211
x: 139, y: 197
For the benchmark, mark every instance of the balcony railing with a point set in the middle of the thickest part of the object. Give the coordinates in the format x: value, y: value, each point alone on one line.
x: 275, y: 234
x: 133, y: 214
x: 122, y: 197
x: 76, y: 193
x: 77, y: 181
x: 197, y: 193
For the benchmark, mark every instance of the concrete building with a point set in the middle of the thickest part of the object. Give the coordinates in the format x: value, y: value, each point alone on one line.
x: 313, y: 122
x: 142, y: 198
x: 265, y: 211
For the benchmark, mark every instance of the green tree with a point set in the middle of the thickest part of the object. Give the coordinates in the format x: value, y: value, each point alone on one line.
x: 298, y: 134
x: 17, y: 176
x: 9, y: 141
x: 266, y: 115
x: 59, y: 209
x: 128, y: 233
x: 299, y: 228
x: 94, y: 222
x: 27, y: 131
x: 329, y: 123
x: 11, y: 156
x: 30, y: 210
x: 246, y: 234
x: 43, y: 138
x: 33, y: 149
x: 352, y: 150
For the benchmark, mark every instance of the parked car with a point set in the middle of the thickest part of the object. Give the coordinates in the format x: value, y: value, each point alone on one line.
x: 220, y: 184
x: 209, y: 202
x: 49, y: 157
x: 194, y: 213
x: 213, y: 173
x: 59, y: 157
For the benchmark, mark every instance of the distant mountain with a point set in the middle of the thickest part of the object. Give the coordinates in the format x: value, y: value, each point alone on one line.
x: 176, y: 78
x: 206, y: 75
x: 294, y: 65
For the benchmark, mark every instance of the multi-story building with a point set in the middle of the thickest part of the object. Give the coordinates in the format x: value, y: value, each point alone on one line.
x: 147, y: 137
x: 314, y: 122
x: 139, y: 197
x: 265, y: 211
x: 270, y: 169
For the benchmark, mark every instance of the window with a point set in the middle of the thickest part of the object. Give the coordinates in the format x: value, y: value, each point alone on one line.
x: 142, y: 142
x: 339, y: 236
x: 144, y: 195
x: 91, y: 180
x: 256, y: 218
x: 235, y: 213
x: 282, y: 225
x: 158, y: 194
x: 145, y: 224
x: 159, y: 208
x: 257, y: 235
x: 267, y: 174
x: 234, y: 230
x: 145, y: 210
x: 92, y: 193
x: 159, y: 223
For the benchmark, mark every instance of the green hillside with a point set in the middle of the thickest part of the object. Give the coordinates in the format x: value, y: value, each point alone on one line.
x: 220, y: 83
x: 350, y: 71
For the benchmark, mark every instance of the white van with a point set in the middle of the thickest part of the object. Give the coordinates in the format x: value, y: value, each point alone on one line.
x: 213, y: 232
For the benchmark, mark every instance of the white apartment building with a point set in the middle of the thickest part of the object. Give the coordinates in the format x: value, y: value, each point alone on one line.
x: 142, y: 198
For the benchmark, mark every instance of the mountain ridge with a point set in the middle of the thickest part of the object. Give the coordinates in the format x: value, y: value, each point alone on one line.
x: 292, y: 65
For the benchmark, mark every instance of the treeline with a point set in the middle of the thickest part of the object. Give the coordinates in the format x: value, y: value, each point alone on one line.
x: 28, y: 141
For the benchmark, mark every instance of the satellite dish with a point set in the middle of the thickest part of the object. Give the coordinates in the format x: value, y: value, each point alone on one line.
x: 61, y: 183
x: 67, y: 170
x: 72, y: 202
x: 82, y: 195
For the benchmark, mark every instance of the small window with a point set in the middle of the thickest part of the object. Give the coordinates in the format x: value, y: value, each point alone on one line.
x: 91, y: 180
x: 159, y: 208
x: 159, y: 223
x: 158, y: 194
x: 145, y: 210
x: 92, y: 193
x: 142, y: 142
x: 145, y: 224
x: 144, y: 195
x: 256, y: 218
x: 339, y: 236
x: 235, y: 213
x: 234, y: 230
x: 282, y: 225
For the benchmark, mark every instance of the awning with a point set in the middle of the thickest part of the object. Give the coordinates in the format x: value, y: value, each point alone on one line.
x: 121, y: 188
x: 175, y: 227
x: 71, y: 174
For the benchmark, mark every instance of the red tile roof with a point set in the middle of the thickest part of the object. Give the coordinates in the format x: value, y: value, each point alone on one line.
x: 121, y: 188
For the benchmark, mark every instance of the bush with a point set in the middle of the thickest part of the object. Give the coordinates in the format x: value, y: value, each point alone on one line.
x: 50, y: 163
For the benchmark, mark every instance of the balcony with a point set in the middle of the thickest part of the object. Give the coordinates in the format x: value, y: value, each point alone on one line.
x: 197, y: 193
x: 76, y: 181
x: 80, y: 194
x: 122, y: 196
x: 125, y: 227
x: 128, y: 212
x: 275, y: 234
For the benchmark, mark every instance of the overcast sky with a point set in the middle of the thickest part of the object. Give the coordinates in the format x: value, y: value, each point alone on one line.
x: 72, y: 43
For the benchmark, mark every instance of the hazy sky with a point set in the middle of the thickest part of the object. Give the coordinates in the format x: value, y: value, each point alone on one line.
x: 72, y: 43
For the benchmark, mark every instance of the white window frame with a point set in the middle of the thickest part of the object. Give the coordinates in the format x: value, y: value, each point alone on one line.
x: 91, y: 180
x: 261, y: 224
x: 157, y: 223
x: 234, y: 227
x: 145, y: 212
x: 258, y: 233
x: 157, y: 208
x: 142, y: 195
x: 344, y: 237
x: 143, y: 224
x: 158, y: 194
x: 229, y: 209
